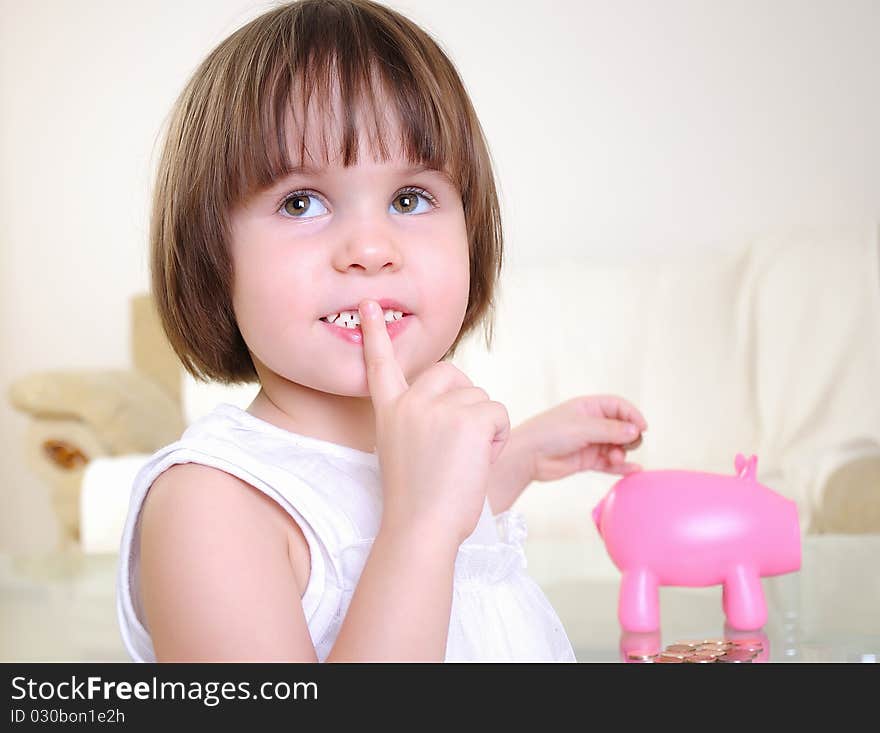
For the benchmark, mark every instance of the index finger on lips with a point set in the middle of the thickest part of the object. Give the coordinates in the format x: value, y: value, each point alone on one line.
x: 385, y: 378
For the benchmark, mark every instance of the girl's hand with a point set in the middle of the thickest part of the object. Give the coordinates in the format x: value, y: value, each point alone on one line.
x: 582, y: 434
x: 437, y: 439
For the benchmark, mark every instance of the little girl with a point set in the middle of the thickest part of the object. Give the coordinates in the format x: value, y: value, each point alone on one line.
x: 345, y: 515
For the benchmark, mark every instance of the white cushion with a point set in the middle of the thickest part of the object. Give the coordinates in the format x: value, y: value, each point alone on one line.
x: 816, y: 330
x: 661, y: 335
x: 103, y: 506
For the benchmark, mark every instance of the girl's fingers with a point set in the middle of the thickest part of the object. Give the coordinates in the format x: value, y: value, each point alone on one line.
x: 634, y: 416
x: 632, y: 446
x: 612, y: 459
x: 623, y: 469
x: 621, y: 409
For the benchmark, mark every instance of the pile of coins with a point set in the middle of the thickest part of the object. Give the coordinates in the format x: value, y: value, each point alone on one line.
x: 702, y: 652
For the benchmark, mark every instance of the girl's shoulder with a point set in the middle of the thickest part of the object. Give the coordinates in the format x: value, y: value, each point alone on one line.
x: 210, y: 494
x: 209, y: 491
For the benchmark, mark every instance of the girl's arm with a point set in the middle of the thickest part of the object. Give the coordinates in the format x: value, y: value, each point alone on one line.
x: 511, y: 474
x: 400, y: 608
x: 216, y: 579
x: 218, y: 584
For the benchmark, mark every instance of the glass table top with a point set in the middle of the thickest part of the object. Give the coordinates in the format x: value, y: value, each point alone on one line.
x: 61, y: 607
x: 828, y: 611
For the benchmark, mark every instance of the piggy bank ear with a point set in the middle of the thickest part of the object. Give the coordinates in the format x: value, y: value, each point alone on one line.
x: 739, y: 463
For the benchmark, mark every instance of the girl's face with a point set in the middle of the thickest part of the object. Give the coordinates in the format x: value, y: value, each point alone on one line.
x: 325, y: 239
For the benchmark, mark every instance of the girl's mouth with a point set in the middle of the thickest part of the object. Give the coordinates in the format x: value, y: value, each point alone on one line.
x: 354, y: 335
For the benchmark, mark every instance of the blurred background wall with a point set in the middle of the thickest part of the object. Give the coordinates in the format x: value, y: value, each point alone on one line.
x: 617, y: 128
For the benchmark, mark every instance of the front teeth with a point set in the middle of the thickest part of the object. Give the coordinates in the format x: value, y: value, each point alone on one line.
x: 348, y: 319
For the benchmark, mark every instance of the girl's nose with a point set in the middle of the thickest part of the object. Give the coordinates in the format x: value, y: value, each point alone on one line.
x: 370, y: 249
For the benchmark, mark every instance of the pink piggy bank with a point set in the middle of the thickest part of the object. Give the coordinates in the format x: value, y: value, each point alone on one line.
x: 690, y: 528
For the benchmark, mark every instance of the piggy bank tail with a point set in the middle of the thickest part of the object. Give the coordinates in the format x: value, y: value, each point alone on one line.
x: 597, y: 515
x: 746, y: 468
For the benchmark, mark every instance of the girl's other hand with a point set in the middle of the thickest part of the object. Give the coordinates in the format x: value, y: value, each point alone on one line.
x: 581, y: 434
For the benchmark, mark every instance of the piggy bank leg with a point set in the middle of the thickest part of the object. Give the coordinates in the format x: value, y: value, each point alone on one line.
x: 743, y: 600
x: 639, y: 604
x: 639, y: 646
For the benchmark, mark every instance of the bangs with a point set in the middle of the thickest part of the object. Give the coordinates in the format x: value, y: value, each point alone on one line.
x: 371, y: 68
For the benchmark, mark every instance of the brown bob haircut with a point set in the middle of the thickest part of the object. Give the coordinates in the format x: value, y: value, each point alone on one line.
x: 226, y: 140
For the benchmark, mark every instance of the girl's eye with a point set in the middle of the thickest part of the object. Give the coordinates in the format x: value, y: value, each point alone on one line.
x: 408, y: 199
x: 297, y: 204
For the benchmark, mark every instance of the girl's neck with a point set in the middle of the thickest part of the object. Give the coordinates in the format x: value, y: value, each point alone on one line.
x: 346, y: 421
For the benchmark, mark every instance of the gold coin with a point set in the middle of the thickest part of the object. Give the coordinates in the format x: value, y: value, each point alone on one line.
x: 735, y: 656
x: 641, y: 655
x: 681, y: 648
x: 749, y: 647
x: 663, y: 659
x: 701, y: 658
x: 674, y: 655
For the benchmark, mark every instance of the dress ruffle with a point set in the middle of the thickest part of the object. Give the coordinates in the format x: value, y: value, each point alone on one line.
x: 498, y: 613
x: 483, y: 563
x: 476, y: 562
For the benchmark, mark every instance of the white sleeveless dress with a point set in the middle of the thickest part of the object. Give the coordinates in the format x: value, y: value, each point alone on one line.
x: 334, y: 494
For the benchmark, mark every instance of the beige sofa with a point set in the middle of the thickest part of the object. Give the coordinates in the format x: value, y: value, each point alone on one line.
x: 771, y: 348
x: 79, y: 416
